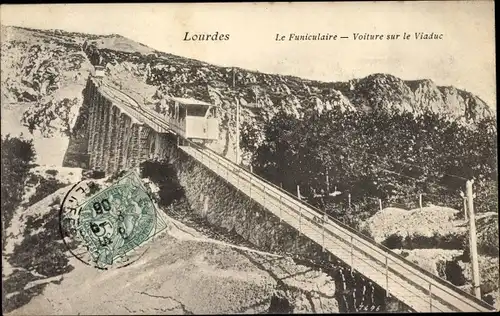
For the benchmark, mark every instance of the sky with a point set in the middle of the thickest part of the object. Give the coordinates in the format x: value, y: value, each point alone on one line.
x: 464, y: 57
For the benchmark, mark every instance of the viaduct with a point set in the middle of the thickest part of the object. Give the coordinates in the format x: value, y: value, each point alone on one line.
x: 121, y: 133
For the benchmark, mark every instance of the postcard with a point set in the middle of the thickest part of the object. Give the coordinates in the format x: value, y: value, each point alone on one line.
x: 248, y: 158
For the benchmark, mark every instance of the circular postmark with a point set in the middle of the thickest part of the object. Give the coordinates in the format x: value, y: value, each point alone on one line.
x: 108, y: 229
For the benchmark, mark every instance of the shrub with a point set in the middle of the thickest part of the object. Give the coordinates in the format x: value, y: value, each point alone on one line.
x: 93, y: 188
x: 44, y: 189
x: 52, y: 172
x: 18, y: 156
x: 382, y: 154
x: 93, y: 174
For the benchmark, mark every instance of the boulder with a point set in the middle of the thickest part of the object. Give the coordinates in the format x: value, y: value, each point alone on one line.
x: 429, y: 227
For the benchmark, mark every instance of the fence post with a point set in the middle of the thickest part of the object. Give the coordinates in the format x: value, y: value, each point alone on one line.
x: 430, y: 297
x: 349, y: 199
x: 298, y: 192
x: 386, y: 277
x: 264, y: 196
x: 323, y: 245
x: 420, y: 201
x: 280, y: 208
x: 380, y: 203
x: 476, y: 278
x: 300, y: 220
x: 465, y: 207
x: 250, y: 187
x: 352, y: 257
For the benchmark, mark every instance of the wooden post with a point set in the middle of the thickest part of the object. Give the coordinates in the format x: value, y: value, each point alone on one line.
x: 386, y: 277
x: 250, y: 194
x: 233, y: 77
x: 465, y: 208
x: 352, y: 257
x: 256, y: 97
x: 323, y: 244
x: 251, y: 169
x: 300, y: 220
x: 327, y: 183
x: 298, y: 192
x: 237, y: 130
x: 280, y: 208
x: 430, y: 297
x: 349, y: 200
x: 264, y: 196
x: 473, y: 241
x: 420, y: 201
x: 380, y: 203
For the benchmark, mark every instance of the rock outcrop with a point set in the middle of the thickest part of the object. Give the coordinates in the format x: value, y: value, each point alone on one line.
x: 437, y: 239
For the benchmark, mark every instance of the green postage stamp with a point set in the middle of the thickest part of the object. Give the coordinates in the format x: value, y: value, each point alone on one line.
x: 113, y: 225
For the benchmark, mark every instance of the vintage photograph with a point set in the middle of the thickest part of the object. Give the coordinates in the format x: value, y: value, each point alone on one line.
x: 249, y: 158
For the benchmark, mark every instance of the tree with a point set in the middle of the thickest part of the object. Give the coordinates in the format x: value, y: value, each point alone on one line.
x: 380, y: 154
x: 274, y: 157
x: 18, y: 156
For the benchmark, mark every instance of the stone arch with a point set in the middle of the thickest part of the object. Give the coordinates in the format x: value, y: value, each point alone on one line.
x: 123, y: 140
x: 152, y: 145
x: 96, y: 135
x: 127, y: 140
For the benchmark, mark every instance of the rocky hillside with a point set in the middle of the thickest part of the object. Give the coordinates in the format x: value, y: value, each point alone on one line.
x: 47, y: 69
x: 262, y: 95
x: 190, y: 78
x: 155, y: 75
x: 44, y: 72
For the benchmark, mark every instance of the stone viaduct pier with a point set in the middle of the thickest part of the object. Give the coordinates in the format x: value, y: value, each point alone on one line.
x: 120, y: 136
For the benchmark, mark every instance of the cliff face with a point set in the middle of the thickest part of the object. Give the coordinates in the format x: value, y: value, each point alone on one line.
x: 44, y: 73
x: 387, y: 91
